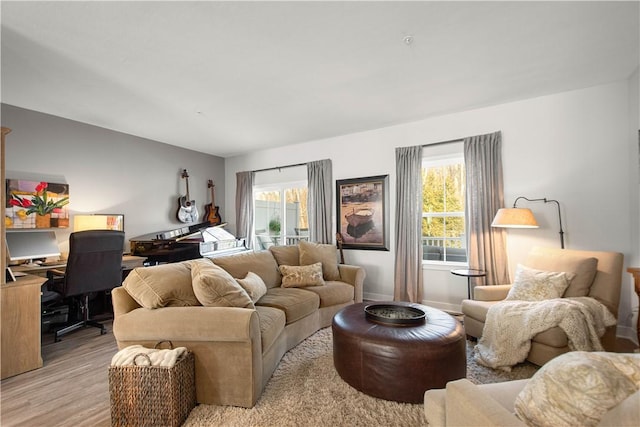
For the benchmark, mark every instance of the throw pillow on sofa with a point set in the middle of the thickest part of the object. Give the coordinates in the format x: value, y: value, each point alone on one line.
x: 578, y: 388
x: 166, y: 285
x: 310, y: 253
x: 286, y: 255
x: 303, y: 275
x: 253, y: 285
x: 214, y: 287
x: 537, y: 285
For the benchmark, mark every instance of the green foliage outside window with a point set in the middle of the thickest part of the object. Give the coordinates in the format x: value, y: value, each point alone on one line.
x: 443, y: 191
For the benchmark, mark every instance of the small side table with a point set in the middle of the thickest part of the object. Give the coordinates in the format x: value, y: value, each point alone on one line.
x: 469, y: 273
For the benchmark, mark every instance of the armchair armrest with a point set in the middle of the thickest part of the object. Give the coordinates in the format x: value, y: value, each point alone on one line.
x: 468, y: 405
x: 491, y: 293
x: 353, y: 275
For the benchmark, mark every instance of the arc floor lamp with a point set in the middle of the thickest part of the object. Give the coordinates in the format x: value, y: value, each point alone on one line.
x: 516, y: 217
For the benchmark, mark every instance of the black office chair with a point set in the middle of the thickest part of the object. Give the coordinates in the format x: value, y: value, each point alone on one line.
x: 94, y: 265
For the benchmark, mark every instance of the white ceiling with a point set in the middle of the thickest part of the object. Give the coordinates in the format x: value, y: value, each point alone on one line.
x: 226, y: 78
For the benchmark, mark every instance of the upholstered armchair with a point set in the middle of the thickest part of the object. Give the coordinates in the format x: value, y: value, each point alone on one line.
x: 594, y: 274
x: 577, y: 388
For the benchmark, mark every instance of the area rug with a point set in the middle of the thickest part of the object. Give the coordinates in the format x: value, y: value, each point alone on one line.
x: 306, y: 390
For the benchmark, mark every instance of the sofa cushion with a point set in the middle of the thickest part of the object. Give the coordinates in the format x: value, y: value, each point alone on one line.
x: 254, y: 285
x: 286, y: 255
x: 310, y: 253
x: 333, y: 293
x: 262, y: 263
x: 584, y: 268
x: 537, y: 285
x: 166, y: 285
x: 578, y: 388
x: 296, y: 303
x: 296, y: 276
x: 272, y: 322
x: 214, y: 287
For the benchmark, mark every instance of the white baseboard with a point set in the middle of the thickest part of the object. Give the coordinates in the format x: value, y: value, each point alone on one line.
x: 455, y: 308
x: 376, y: 297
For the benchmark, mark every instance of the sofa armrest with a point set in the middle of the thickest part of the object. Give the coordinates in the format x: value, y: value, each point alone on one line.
x: 122, y: 302
x: 354, y: 276
x: 491, y: 292
x: 226, y: 342
x: 197, y: 323
x: 467, y: 405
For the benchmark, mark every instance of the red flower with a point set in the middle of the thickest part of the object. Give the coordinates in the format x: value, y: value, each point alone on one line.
x: 17, y: 201
x: 42, y: 186
x: 57, y: 210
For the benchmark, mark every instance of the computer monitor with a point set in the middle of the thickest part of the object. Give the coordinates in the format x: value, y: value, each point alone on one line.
x: 30, y: 245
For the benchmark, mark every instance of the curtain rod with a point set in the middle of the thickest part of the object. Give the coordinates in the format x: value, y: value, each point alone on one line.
x: 444, y: 142
x: 280, y: 167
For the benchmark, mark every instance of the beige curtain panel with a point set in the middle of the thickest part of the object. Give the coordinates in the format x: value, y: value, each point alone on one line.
x: 408, y: 262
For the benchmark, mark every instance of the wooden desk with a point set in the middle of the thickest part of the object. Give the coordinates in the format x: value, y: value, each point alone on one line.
x: 129, y: 262
x: 20, y: 327
x: 20, y: 319
x: 635, y: 272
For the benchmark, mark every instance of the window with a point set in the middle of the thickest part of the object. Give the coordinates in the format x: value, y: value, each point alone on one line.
x: 280, y: 216
x: 443, y: 221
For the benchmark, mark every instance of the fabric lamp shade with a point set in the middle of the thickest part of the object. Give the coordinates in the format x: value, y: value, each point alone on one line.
x: 514, y: 218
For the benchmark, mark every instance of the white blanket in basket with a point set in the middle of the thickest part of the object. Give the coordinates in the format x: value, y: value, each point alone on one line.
x: 159, y: 357
x: 510, y: 325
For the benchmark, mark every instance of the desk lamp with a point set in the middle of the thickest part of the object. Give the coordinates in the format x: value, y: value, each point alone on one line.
x: 523, y: 217
x: 98, y: 222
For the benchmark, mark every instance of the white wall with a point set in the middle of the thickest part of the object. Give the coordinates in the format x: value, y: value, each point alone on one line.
x: 572, y: 146
x: 107, y: 171
x: 634, y: 195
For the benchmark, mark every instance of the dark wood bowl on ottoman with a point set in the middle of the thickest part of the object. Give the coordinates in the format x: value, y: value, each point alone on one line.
x: 398, y: 362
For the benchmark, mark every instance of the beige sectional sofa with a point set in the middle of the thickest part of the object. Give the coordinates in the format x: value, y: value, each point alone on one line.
x: 236, y: 348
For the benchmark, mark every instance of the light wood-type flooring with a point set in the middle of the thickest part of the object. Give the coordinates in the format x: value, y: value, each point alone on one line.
x: 72, y: 388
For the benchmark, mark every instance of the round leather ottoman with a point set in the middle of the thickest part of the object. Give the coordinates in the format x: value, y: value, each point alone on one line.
x: 398, y: 362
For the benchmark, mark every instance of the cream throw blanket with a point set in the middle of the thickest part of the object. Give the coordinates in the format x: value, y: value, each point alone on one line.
x: 158, y: 357
x: 510, y: 325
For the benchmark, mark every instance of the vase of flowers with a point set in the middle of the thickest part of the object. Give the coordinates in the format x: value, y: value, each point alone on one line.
x: 40, y: 204
x: 43, y: 221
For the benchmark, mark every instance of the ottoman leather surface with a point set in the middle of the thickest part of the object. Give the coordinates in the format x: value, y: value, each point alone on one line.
x: 398, y: 362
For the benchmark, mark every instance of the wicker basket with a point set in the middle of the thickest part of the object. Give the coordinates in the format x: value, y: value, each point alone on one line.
x: 152, y: 395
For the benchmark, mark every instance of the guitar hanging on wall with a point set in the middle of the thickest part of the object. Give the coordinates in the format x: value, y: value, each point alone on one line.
x: 211, y: 211
x: 187, y: 210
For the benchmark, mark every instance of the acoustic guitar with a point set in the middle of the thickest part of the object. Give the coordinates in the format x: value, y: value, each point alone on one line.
x: 187, y: 210
x: 211, y: 211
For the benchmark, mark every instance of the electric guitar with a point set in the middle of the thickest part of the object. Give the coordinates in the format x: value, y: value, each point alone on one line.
x: 187, y: 210
x: 211, y: 211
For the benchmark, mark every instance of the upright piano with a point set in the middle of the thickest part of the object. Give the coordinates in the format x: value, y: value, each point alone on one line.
x: 184, y: 243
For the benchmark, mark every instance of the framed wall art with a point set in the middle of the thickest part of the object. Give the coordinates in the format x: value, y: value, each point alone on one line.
x: 363, y: 212
x: 36, y: 204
